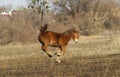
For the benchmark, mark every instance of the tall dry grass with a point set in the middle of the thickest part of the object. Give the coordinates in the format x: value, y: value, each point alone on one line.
x: 18, y: 28
x: 93, y: 56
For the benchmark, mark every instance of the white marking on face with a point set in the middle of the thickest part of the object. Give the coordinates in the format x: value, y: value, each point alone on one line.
x: 76, y: 40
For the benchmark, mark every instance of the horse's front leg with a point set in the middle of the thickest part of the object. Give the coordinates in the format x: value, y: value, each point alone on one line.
x: 45, y: 48
x: 59, y: 53
x: 58, y: 59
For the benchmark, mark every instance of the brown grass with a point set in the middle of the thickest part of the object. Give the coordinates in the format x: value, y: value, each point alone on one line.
x: 95, y: 56
x: 20, y: 28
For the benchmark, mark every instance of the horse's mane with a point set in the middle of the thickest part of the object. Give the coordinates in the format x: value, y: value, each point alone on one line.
x: 68, y: 31
x: 43, y: 28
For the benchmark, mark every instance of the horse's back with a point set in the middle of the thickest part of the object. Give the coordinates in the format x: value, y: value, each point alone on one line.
x: 45, y: 35
x: 48, y: 36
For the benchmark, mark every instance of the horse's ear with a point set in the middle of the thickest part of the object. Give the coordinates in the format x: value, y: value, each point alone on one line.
x: 75, y: 27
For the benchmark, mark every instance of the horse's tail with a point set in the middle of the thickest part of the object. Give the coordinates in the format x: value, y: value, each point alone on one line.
x: 43, y: 28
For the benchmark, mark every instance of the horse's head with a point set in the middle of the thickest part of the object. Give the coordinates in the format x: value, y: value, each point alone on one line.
x: 75, y: 36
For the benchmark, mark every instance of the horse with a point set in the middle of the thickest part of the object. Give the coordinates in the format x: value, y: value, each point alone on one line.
x: 54, y: 39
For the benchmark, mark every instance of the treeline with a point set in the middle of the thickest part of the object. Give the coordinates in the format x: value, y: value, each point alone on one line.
x: 90, y: 17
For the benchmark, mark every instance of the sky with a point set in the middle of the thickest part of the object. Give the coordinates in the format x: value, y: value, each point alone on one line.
x: 14, y: 3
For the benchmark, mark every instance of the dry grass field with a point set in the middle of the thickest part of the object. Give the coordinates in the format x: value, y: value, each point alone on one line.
x: 96, y: 55
x: 93, y: 56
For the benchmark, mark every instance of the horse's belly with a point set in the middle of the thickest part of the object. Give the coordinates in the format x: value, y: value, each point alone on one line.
x: 53, y: 43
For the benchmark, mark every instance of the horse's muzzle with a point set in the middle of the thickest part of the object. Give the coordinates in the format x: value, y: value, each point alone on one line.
x: 76, y: 40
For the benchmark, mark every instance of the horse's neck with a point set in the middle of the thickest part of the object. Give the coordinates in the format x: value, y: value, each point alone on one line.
x: 69, y: 36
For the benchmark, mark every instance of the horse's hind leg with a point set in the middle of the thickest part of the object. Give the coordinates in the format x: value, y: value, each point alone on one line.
x: 58, y: 53
x: 45, y: 47
x: 58, y: 59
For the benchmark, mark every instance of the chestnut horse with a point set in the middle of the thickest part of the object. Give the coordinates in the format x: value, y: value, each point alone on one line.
x: 60, y: 40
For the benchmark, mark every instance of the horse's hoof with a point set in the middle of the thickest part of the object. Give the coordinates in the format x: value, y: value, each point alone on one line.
x: 58, y: 54
x: 58, y: 61
x: 50, y: 56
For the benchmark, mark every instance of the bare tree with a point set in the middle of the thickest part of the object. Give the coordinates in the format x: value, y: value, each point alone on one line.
x: 39, y: 8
